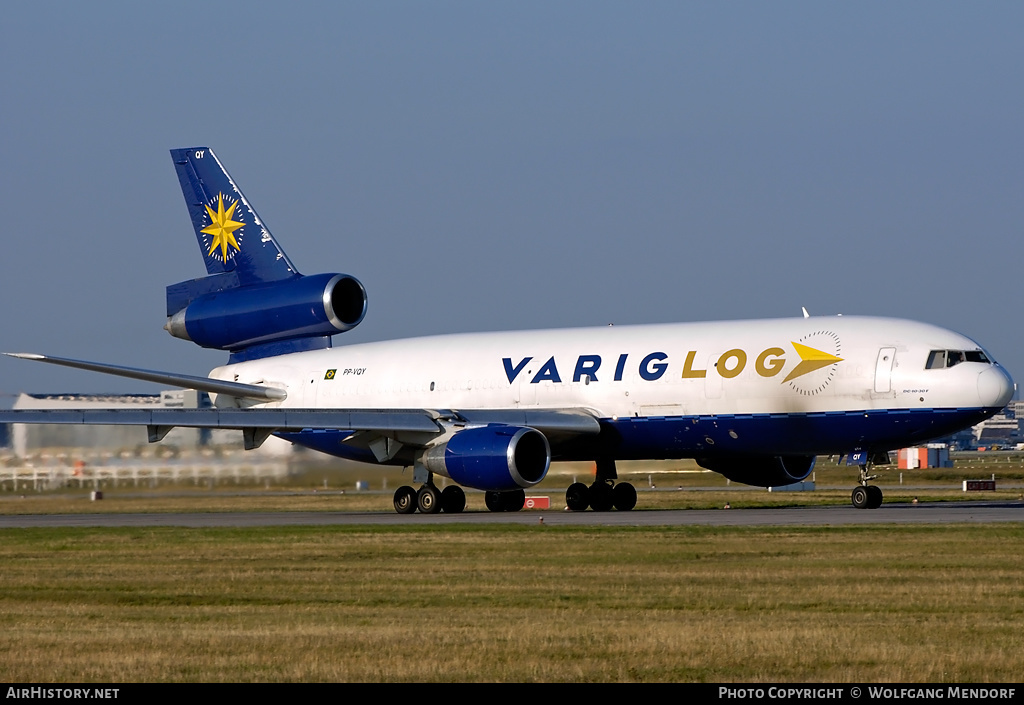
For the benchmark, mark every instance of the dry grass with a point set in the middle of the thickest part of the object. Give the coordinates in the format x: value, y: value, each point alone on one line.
x: 534, y: 603
x: 679, y: 484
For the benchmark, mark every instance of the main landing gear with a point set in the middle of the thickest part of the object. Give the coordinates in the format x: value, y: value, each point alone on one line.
x: 604, y: 494
x: 865, y: 496
x: 452, y: 500
x: 511, y: 501
x: 429, y: 499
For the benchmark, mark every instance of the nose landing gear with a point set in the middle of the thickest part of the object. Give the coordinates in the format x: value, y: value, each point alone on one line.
x: 866, y: 496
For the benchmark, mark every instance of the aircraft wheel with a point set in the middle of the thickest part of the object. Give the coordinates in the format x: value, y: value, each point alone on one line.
x: 494, y: 501
x: 874, y: 497
x: 577, y: 497
x: 624, y: 496
x: 453, y: 499
x: 514, y: 501
x: 405, y: 500
x: 428, y: 500
x: 602, y: 497
x: 859, y: 497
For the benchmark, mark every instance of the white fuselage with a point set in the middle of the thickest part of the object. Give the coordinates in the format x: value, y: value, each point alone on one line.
x: 738, y: 367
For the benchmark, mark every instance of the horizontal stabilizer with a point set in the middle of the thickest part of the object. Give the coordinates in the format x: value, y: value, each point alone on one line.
x: 202, y: 384
x: 182, y: 294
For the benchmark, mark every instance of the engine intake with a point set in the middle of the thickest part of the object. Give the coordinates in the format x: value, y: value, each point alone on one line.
x: 495, y: 457
x: 301, y: 307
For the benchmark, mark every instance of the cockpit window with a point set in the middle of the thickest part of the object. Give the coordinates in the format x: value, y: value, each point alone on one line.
x: 938, y: 359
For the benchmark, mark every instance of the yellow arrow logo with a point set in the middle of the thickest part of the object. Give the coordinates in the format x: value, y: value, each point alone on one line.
x: 811, y: 359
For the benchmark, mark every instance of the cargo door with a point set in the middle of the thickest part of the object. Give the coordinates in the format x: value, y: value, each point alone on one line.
x: 883, y: 370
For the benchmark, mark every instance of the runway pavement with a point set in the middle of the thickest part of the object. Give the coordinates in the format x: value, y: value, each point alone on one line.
x: 924, y: 513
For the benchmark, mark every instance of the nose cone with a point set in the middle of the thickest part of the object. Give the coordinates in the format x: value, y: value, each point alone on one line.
x: 995, y: 387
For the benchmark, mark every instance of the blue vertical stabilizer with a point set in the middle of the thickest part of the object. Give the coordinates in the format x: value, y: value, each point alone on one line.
x: 232, y: 237
x: 252, y: 303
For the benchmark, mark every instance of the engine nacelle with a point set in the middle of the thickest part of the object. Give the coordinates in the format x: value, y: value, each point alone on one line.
x: 761, y: 470
x: 492, y: 457
x: 302, y: 307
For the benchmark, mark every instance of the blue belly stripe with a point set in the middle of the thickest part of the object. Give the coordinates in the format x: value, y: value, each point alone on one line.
x: 676, y: 437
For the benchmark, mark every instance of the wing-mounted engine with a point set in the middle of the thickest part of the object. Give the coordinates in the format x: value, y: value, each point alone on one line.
x: 762, y: 470
x: 495, y: 457
x: 237, y: 318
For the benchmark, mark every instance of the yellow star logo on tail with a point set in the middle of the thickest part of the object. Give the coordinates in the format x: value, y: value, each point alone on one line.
x: 222, y: 227
x: 810, y: 360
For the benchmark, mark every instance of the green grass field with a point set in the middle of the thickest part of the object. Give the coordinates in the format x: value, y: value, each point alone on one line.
x: 512, y: 603
x: 535, y: 603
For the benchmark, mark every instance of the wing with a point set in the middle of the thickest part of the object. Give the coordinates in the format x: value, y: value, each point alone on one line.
x: 409, y: 427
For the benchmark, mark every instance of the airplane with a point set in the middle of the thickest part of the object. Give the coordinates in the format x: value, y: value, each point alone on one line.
x: 756, y: 401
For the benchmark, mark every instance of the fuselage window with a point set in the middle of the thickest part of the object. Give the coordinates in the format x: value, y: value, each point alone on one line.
x: 936, y: 360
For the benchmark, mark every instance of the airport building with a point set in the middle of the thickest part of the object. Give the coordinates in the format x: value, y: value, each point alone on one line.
x: 52, y: 456
x: 29, y: 439
x: 1004, y: 430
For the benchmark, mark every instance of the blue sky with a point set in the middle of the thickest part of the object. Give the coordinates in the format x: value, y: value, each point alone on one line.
x: 485, y: 166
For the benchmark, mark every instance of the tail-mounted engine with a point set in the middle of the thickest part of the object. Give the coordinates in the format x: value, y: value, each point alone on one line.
x: 234, y: 318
